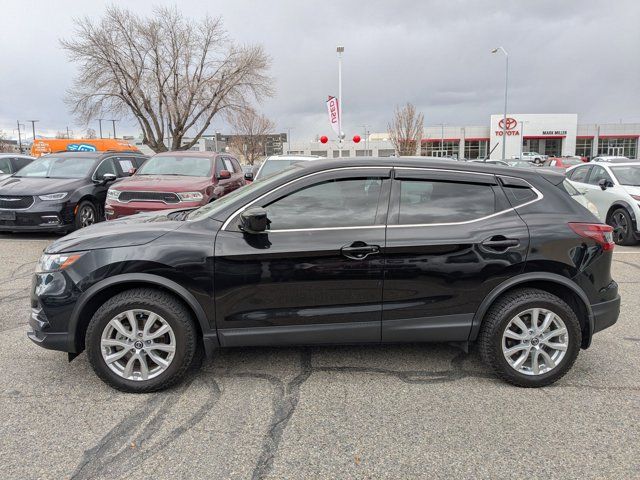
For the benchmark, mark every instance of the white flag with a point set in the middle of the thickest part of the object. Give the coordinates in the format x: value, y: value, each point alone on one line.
x: 334, y: 114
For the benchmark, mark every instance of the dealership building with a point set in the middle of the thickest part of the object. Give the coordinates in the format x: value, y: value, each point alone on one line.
x: 550, y: 134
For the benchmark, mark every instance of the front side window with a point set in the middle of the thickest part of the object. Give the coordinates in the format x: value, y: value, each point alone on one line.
x: 105, y: 167
x: 59, y: 167
x: 597, y: 174
x: 179, y: 165
x: 334, y: 203
x: 430, y: 201
x: 5, y: 165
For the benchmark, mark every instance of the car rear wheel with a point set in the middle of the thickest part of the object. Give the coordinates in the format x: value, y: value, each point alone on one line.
x: 530, y: 338
x: 86, y: 214
x: 141, y: 340
x: 622, y: 225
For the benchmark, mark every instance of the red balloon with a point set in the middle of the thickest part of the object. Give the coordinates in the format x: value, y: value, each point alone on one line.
x: 324, y: 139
x: 356, y: 138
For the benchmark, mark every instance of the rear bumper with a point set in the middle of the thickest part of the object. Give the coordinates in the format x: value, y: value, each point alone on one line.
x: 605, y: 314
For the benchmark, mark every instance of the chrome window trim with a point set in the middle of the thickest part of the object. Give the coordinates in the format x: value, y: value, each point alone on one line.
x: 147, y: 191
x: 539, y: 195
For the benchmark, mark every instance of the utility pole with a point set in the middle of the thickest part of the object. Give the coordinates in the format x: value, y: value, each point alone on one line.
x: 114, y: 127
x: 506, y: 88
x: 289, y: 138
x: 340, y: 51
x: 33, y: 128
x: 19, y: 137
x: 100, y: 123
x: 68, y: 136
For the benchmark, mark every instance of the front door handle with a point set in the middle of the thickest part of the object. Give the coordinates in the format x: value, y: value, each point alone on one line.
x: 359, y: 250
x: 500, y: 243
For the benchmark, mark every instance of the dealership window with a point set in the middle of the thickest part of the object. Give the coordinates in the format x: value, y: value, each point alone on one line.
x: 386, y: 152
x: 552, y: 147
x: 345, y: 153
x: 320, y: 153
x: 625, y: 147
x: 584, y: 146
x: 363, y: 153
x: 475, y: 149
x: 531, y: 145
x: 440, y: 149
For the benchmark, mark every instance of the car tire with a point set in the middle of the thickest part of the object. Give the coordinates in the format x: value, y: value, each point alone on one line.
x: 86, y: 215
x: 622, y: 225
x: 496, y: 344
x: 166, y: 348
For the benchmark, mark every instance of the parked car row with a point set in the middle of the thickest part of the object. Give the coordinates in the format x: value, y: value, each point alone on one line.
x: 65, y: 191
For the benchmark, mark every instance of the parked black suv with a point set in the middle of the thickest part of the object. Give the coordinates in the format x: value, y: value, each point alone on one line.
x: 62, y: 191
x: 365, y: 251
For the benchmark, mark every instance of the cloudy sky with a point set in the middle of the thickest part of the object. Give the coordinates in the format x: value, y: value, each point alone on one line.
x: 578, y: 56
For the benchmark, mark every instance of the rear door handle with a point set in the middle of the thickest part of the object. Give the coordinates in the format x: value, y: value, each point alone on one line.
x: 359, y: 250
x: 500, y: 243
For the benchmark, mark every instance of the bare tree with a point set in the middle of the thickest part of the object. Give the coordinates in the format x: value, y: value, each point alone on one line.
x: 405, y: 130
x: 5, y: 146
x: 172, y: 74
x: 91, y: 133
x: 61, y: 134
x: 250, y: 130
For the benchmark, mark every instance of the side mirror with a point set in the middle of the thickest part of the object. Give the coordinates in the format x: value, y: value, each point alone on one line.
x: 248, y: 176
x: 108, y: 177
x: 254, y: 220
x: 224, y: 174
x: 604, y: 184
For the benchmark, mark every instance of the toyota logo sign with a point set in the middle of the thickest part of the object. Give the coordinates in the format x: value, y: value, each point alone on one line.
x: 509, y: 127
x: 511, y: 123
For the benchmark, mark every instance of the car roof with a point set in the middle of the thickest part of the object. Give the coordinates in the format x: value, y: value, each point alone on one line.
x: 96, y: 155
x: 16, y: 155
x: 294, y: 157
x: 191, y: 153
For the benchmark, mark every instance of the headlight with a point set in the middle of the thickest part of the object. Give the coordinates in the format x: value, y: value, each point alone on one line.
x: 56, y: 262
x: 113, y: 194
x: 190, y: 196
x: 53, y: 196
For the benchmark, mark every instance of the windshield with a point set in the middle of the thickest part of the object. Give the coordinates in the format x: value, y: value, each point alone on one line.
x: 628, y: 175
x: 58, y: 167
x: 521, y: 163
x: 211, y: 209
x: 272, y: 166
x: 572, y: 161
x: 178, y: 165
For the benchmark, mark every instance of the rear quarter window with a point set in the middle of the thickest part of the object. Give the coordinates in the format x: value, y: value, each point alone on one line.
x: 519, y: 195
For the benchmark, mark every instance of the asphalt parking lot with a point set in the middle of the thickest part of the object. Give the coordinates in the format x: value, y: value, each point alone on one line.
x: 410, y: 411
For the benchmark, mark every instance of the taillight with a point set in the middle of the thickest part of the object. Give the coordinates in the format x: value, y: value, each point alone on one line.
x: 602, y: 234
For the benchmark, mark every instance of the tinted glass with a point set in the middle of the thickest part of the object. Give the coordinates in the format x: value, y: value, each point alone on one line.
x: 335, y: 203
x: 519, y: 195
x: 106, y: 166
x: 178, y: 165
x: 5, y: 165
x: 20, y: 163
x: 579, y: 174
x: 228, y: 164
x: 423, y: 202
x: 627, y: 175
x: 598, y: 173
x: 59, y: 167
x: 272, y: 166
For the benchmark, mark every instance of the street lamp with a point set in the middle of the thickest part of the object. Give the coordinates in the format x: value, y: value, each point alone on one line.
x: 33, y: 128
x: 506, y: 87
x: 340, y: 51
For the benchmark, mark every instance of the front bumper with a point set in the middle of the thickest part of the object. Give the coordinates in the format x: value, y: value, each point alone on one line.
x: 41, y: 216
x: 114, y: 209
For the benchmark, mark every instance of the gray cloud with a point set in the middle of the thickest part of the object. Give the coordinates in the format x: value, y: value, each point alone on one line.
x: 566, y: 56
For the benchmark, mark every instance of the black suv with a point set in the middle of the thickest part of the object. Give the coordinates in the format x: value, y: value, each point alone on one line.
x: 367, y: 251
x: 62, y: 191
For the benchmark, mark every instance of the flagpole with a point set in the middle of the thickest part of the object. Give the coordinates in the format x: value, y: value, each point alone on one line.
x: 340, y: 50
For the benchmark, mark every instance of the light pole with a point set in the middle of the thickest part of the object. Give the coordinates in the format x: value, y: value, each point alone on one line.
x: 289, y: 139
x: 100, y: 123
x: 366, y: 140
x: 216, y: 140
x: 506, y: 88
x: 33, y: 128
x: 114, y: 127
x: 340, y: 51
x: 521, y: 137
x: 19, y: 136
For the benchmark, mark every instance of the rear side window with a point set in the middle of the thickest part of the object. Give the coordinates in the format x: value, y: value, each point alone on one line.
x: 519, y: 195
x: 434, y: 201
x: 579, y: 174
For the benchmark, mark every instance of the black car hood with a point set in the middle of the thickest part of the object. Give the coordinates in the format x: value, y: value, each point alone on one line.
x: 124, y: 232
x: 39, y: 185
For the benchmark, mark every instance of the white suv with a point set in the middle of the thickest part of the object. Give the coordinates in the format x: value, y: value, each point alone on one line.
x: 534, y: 157
x: 614, y: 188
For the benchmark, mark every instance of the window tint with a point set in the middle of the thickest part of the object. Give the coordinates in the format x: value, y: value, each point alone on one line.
x: 335, y: 203
x: 236, y: 166
x: 423, y: 202
x: 19, y: 163
x: 579, y: 174
x: 5, y: 165
x: 106, y: 166
x: 598, y: 173
x: 519, y: 195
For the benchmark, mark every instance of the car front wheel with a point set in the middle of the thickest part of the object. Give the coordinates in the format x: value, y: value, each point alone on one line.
x: 141, y: 340
x: 530, y: 338
x: 86, y: 215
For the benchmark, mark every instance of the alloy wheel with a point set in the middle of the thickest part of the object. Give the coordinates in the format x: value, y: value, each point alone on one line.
x: 138, y: 345
x: 87, y: 216
x: 535, y: 341
x: 620, y: 226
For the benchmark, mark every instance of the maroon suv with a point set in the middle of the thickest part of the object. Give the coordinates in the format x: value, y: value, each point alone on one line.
x: 174, y: 180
